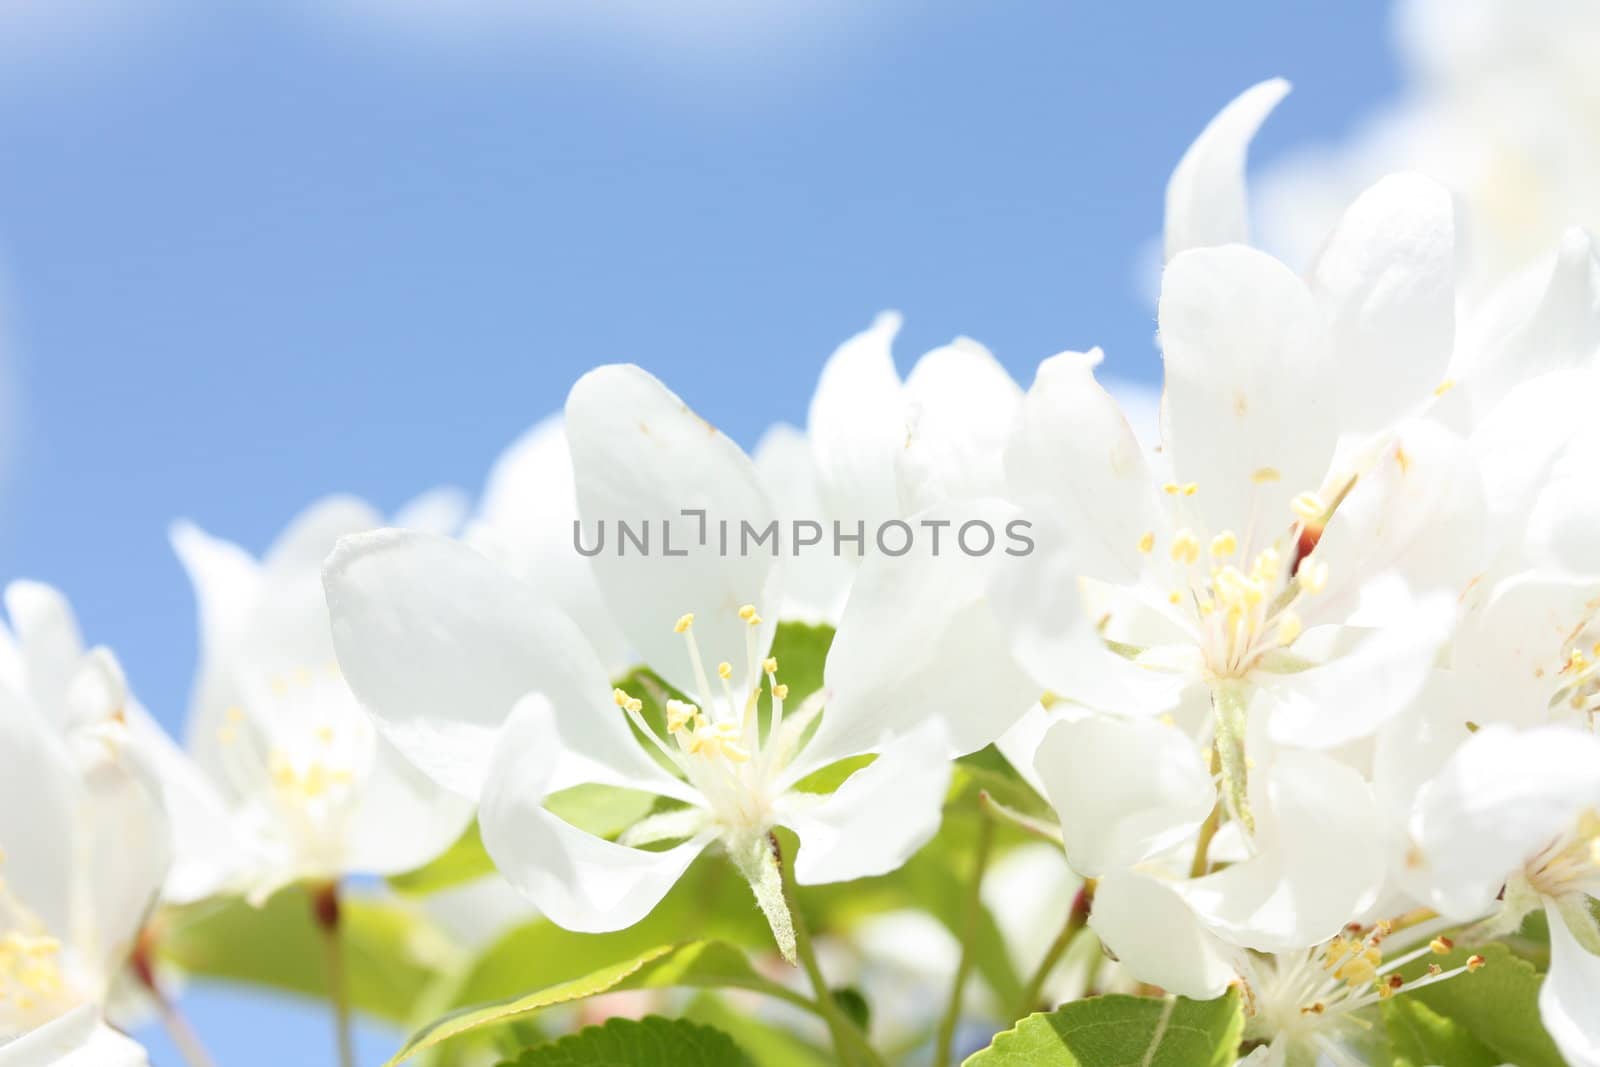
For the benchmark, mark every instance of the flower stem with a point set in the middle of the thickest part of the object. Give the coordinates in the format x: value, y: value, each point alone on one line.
x: 325, y: 911
x: 179, y: 1032
x: 1201, y: 862
x: 969, y: 931
x: 1077, y: 919
x: 848, y: 1042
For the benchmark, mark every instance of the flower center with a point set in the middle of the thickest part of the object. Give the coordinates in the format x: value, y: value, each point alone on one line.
x: 1312, y: 995
x: 1579, y: 690
x: 299, y: 761
x: 35, y: 986
x: 1569, y: 865
x: 1243, y: 599
x: 716, y: 739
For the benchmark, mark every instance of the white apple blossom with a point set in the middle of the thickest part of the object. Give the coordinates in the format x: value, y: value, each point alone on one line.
x: 1511, y: 825
x: 84, y: 843
x: 494, y: 692
x: 1500, y: 103
x: 285, y: 778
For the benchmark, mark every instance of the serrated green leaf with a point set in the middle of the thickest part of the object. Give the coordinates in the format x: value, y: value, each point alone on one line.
x: 1121, y: 1031
x: 652, y: 1040
x: 1420, y: 1037
x: 707, y: 964
x: 1498, y: 1005
x: 391, y: 953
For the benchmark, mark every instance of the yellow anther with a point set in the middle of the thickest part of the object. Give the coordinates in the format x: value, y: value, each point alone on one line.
x: 1147, y: 543
x: 1441, y: 946
x: 619, y: 698
x: 234, y: 715
x: 1434, y: 970
x: 747, y: 612
x: 1185, y: 546
x: 635, y: 705
x: 1190, y: 488
x: 1172, y: 488
x: 1313, y: 576
x: 1265, y: 475
x: 1336, y: 951
x: 683, y: 623
x: 1175, y: 597
x: 724, y: 670
x: 781, y: 691
x: 1444, y: 387
x: 769, y: 665
x: 1475, y: 964
x: 679, y: 715
x: 1576, y: 660
x: 1289, y: 627
x: 1308, y: 506
x: 325, y: 734
x: 1224, y: 544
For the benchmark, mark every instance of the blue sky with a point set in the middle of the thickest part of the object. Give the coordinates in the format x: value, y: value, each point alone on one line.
x: 253, y: 253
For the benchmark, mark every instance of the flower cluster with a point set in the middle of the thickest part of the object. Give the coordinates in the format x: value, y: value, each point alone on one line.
x: 1303, y: 694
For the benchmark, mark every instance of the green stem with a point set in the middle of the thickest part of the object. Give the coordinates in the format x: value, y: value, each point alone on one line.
x: 325, y: 911
x: 849, y: 1044
x: 1077, y: 919
x: 1201, y: 862
x: 969, y: 931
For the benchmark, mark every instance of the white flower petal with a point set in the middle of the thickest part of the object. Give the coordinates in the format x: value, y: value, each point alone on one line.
x: 39, y: 803
x: 1038, y: 601
x: 1547, y: 319
x: 207, y: 851
x: 1417, y: 513
x: 1568, y: 995
x: 76, y: 1039
x: 818, y: 579
x: 1206, y: 201
x: 960, y: 404
x: 918, y: 642
x: 1501, y: 798
x: 1514, y: 647
x: 639, y: 453
x: 1386, y: 281
x: 1249, y: 376
x: 579, y: 881
x: 1518, y: 445
x: 438, y: 644
x: 1156, y: 938
x: 525, y: 523
x: 1124, y: 789
x: 400, y: 820
x: 857, y: 425
x: 47, y: 636
x: 311, y: 535
x: 881, y: 815
x: 1073, y: 446
x: 1318, y: 864
x: 1355, y: 693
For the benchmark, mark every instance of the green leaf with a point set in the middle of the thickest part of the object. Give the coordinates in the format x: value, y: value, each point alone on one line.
x: 708, y: 964
x: 933, y: 880
x: 768, y: 1044
x: 1498, y: 1005
x: 1421, y: 1037
x: 628, y: 1042
x: 391, y: 953
x: 1121, y: 1031
x: 602, y: 810
x: 464, y: 861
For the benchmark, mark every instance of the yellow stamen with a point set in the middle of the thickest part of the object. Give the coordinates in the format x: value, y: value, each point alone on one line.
x: 683, y: 623
x: 1224, y: 544
x: 1147, y: 543
x: 1308, y: 506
